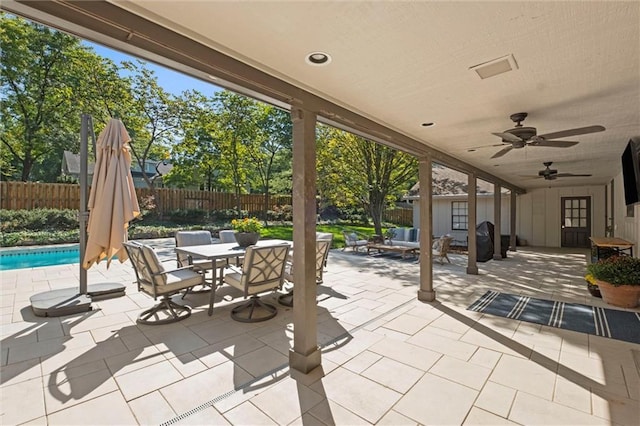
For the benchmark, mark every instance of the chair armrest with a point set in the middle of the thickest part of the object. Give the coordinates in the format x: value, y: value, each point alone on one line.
x: 167, y: 271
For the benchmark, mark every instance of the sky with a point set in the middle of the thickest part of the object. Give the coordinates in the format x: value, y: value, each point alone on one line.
x: 171, y: 81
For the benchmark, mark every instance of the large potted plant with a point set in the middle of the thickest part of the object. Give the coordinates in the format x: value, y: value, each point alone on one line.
x: 618, y: 278
x: 247, y: 230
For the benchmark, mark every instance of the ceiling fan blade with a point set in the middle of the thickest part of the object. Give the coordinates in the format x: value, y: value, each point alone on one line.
x: 573, y: 132
x: 502, y: 152
x: 508, y: 137
x: 485, y: 146
x: 554, y: 144
x: 570, y: 175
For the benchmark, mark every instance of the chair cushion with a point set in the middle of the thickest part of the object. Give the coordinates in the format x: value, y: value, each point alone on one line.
x: 176, y: 281
x: 155, y: 266
x: 227, y: 236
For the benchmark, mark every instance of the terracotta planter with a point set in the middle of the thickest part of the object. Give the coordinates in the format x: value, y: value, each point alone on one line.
x: 246, y: 239
x: 624, y: 296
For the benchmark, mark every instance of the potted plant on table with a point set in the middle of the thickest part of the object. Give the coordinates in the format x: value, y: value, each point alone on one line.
x: 618, y: 278
x: 247, y: 230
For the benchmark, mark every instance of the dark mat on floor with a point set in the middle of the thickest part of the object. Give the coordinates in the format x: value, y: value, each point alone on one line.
x: 612, y: 323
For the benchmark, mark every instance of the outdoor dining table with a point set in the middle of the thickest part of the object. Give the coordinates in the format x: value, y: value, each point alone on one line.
x: 215, y: 252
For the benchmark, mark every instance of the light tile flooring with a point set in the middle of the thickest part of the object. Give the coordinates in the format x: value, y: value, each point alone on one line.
x: 387, y: 358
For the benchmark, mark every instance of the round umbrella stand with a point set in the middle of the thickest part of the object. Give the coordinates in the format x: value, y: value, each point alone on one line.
x: 68, y: 301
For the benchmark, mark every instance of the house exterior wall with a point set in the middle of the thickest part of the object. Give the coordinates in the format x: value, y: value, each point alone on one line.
x: 442, y: 214
x: 539, y: 213
x: 627, y: 228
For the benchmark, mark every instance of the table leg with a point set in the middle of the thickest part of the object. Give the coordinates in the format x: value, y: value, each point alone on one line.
x: 212, y: 295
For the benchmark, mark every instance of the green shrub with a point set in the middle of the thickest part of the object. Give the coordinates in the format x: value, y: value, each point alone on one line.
x: 188, y: 216
x: 617, y: 270
x: 38, y: 220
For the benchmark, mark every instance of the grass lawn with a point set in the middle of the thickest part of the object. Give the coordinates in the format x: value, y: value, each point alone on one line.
x: 285, y: 232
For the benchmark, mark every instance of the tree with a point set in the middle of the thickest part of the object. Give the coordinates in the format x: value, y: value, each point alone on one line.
x: 196, y: 158
x: 48, y: 79
x: 236, y: 123
x: 152, y: 118
x: 40, y: 115
x: 272, y: 146
x: 352, y: 168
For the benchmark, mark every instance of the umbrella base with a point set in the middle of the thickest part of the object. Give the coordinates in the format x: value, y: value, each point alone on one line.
x: 68, y: 301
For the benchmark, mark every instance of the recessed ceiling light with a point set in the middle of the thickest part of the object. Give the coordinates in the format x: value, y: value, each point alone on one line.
x: 318, y: 58
x: 428, y: 124
x: 471, y: 150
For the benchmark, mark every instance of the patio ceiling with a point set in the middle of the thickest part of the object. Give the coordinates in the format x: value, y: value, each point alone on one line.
x: 401, y: 64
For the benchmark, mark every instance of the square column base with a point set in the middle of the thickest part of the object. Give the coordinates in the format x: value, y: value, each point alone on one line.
x: 472, y: 270
x: 304, y: 363
x: 497, y: 257
x: 426, y: 296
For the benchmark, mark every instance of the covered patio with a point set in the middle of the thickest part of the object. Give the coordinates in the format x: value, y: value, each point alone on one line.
x: 371, y: 350
x: 387, y: 357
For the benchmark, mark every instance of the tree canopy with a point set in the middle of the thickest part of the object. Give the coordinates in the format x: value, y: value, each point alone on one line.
x: 225, y: 142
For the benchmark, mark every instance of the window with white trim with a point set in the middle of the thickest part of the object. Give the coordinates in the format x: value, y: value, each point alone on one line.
x: 459, y: 216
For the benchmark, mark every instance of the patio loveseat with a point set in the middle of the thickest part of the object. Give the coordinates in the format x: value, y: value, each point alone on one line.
x: 407, y: 237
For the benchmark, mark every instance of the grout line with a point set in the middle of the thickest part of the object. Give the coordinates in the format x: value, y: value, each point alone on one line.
x: 274, y: 371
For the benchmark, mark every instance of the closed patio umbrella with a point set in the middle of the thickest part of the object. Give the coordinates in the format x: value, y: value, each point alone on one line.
x: 112, y: 200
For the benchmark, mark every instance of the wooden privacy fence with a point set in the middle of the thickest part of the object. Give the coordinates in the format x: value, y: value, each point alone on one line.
x: 403, y: 217
x: 34, y: 195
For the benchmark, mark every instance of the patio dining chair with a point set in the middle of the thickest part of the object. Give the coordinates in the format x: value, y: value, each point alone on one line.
x: 158, y: 282
x: 197, y: 238
x: 229, y: 236
x: 322, y: 248
x: 262, y: 270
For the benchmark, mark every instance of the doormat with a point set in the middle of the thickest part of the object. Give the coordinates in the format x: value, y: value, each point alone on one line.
x: 612, y: 323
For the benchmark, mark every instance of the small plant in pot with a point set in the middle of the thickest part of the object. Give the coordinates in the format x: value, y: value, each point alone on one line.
x: 247, y: 230
x: 618, y: 278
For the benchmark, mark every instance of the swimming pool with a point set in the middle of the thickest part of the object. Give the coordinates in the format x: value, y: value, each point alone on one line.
x: 31, y: 257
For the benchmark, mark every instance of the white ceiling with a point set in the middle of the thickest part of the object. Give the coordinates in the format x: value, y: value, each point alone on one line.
x: 405, y: 63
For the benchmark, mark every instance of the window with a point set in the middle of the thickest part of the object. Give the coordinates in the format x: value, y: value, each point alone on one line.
x: 459, y: 215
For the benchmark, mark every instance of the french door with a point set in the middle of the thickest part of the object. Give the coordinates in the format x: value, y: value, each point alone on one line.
x: 576, y: 221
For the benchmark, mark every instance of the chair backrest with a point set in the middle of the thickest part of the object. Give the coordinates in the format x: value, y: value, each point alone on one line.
x: 322, y: 248
x: 325, y: 236
x: 441, y: 246
x: 322, y: 251
x: 350, y: 238
x: 227, y: 236
x: 190, y: 238
x: 263, y: 268
x: 146, y: 264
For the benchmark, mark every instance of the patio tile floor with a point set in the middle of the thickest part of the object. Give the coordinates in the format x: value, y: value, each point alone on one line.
x: 387, y: 358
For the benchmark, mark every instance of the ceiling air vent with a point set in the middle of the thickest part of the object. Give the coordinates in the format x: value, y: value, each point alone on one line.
x: 495, y: 66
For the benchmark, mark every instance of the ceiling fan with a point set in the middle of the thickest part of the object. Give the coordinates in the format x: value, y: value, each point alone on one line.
x: 521, y: 136
x: 550, y: 174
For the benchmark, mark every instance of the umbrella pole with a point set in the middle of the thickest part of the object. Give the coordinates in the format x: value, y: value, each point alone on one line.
x: 83, y: 214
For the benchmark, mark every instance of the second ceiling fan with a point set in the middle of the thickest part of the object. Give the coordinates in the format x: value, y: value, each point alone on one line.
x: 521, y: 136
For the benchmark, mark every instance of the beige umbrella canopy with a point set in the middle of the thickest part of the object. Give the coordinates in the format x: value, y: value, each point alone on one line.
x: 112, y: 201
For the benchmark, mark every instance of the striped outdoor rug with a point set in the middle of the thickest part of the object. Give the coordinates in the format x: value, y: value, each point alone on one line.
x: 612, y: 323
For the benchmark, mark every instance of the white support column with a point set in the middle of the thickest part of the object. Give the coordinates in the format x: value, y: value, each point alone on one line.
x: 305, y: 354
x: 472, y: 219
x: 497, y: 218
x: 512, y: 223
x: 426, y: 292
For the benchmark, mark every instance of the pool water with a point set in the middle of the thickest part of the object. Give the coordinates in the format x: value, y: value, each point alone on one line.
x: 38, y: 256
